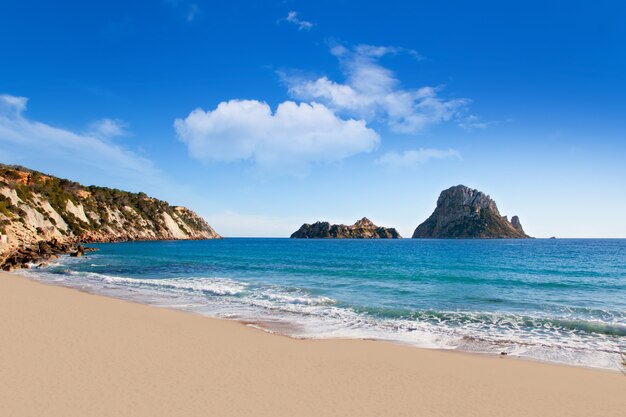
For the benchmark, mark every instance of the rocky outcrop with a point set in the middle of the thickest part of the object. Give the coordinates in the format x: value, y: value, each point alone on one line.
x: 463, y: 212
x: 41, y: 253
x: 362, y: 229
x: 37, y: 208
x: 517, y: 224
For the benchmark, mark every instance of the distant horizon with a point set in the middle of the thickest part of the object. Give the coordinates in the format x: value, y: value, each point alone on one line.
x: 295, y: 112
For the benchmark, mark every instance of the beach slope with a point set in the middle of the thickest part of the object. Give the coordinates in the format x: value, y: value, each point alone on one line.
x: 68, y: 353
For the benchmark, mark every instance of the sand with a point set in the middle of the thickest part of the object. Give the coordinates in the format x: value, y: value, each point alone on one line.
x: 67, y: 353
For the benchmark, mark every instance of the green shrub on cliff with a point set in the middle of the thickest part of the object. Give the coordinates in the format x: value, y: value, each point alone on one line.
x: 110, y: 213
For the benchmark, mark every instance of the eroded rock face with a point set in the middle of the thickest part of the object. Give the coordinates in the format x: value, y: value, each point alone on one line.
x: 463, y: 212
x: 36, y: 208
x: 362, y: 229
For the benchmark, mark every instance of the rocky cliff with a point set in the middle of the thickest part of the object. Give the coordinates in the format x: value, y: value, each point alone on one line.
x: 36, y: 208
x: 462, y: 212
x: 362, y: 229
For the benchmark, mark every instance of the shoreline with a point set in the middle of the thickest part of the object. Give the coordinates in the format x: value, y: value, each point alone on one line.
x: 290, y: 327
x: 67, y: 352
x: 265, y: 327
x: 260, y: 327
x: 297, y: 331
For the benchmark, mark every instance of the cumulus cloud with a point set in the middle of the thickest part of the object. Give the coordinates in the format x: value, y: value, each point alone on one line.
x: 333, y: 121
x: 292, y: 136
x: 28, y: 141
x: 372, y: 92
x: 412, y: 158
x: 292, y: 17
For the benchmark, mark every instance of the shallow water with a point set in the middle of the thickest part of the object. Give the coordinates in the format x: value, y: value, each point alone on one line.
x: 560, y: 300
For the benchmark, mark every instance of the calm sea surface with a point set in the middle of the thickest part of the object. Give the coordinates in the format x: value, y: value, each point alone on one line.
x: 554, y: 300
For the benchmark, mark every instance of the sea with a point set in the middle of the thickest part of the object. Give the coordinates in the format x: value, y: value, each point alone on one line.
x: 554, y: 300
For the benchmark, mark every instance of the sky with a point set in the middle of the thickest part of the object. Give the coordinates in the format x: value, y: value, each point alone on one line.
x: 261, y: 116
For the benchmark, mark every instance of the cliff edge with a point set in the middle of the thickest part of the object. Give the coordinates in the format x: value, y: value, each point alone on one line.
x: 36, y: 208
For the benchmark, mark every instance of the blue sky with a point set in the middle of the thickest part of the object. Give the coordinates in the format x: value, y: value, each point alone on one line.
x: 263, y: 115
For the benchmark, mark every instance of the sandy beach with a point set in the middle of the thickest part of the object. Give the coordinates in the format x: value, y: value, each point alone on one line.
x: 68, y: 353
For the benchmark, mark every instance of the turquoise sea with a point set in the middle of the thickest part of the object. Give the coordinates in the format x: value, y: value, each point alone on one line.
x: 559, y: 300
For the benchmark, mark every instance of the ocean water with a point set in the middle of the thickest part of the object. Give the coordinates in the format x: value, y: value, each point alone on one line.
x: 560, y: 300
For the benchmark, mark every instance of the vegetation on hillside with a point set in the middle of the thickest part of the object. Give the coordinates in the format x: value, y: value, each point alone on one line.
x: 129, y: 209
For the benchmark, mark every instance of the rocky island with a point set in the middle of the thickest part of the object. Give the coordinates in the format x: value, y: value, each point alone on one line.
x: 463, y: 212
x: 42, y: 216
x: 362, y: 229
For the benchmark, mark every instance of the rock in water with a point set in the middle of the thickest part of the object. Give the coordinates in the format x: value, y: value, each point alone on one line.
x: 362, y: 229
x: 517, y: 224
x: 463, y: 212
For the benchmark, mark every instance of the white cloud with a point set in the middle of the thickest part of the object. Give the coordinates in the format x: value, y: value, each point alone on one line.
x: 29, y: 142
x: 412, y: 158
x: 290, y: 138
x: 108, y: 128
x: 292, y: 17
x: 12, y: 105
x: 332, y: 123
x: 372, y: 92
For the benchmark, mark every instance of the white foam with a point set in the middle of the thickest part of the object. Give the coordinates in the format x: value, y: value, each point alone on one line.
x: 298, y: 298
x: 301, y: 314
x: 216, y: 286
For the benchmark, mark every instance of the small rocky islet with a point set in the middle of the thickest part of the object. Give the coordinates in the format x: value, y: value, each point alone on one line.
x: 466, y: 213
x: 362, y: 229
